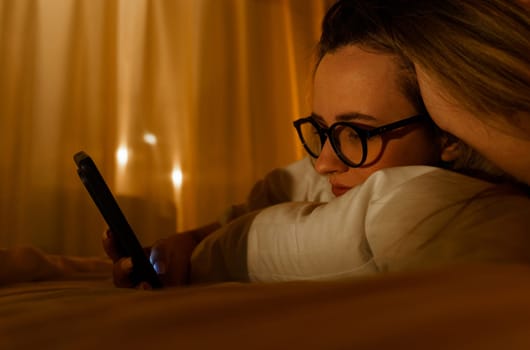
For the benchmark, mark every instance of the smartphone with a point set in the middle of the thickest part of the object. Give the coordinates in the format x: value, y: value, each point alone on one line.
x: 125, y: 240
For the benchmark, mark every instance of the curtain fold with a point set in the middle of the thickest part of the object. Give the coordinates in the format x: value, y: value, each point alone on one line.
x: 182, y: 104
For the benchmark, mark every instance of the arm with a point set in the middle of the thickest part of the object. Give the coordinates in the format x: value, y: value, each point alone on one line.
x: 170, y: 256
x: 296, y: 182
x: 498, y: 138
x: 399, y: 219
x: 298, y: 240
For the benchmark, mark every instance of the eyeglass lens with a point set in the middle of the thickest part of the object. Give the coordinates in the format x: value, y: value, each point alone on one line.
x: 346, y: 139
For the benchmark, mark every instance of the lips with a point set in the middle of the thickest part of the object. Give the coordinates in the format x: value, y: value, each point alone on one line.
x: 339, y: 190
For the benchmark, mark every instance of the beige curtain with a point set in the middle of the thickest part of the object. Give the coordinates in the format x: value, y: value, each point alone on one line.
x: 183, y: 104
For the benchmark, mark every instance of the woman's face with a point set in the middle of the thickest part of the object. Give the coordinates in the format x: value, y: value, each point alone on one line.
x: 361, y: 87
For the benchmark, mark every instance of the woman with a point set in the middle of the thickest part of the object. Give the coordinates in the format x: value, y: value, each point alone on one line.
x: 362, y: 78
x: 362, y: 85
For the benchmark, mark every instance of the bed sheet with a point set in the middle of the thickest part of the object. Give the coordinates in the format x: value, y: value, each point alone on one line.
x: 458, y: 307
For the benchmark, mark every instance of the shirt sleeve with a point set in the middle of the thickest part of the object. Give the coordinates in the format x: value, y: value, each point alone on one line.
x: 399, y: 219
x: 297, y: 240
x: 296, y: 182
x: 446, y: 218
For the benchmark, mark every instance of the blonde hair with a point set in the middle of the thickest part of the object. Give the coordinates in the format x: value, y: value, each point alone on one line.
x: 479, y: 50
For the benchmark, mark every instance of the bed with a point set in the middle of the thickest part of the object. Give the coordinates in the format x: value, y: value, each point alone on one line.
x: 59, y: 302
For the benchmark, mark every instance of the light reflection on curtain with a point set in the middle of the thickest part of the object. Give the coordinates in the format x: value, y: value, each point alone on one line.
x: 203, y: 88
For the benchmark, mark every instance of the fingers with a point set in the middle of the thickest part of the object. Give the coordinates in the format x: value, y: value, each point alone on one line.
x: 123, y: 266
x: 109, y: 246
x: 121, y: 272
x: 171, y: 258
x: 157, y: 258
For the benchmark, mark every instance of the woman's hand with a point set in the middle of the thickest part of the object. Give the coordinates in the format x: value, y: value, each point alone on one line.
x: 503, y: 142
x: 170, y: 257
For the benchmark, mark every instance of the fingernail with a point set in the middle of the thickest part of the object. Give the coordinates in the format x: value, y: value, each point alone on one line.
x: 126, y: 264
x: 159, y: 267
x: 106, y: 234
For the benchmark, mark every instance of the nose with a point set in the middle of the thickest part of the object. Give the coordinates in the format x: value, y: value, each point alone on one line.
x: 328, y: 162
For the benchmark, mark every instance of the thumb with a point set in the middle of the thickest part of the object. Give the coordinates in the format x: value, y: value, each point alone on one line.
x: 158, y: 258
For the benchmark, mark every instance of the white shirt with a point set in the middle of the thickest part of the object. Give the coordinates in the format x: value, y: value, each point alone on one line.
x: 399, y: 218
x: 297, y: 182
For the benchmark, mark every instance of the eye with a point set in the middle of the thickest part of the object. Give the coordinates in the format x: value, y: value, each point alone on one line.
x: 352, y: 134
x: 346, y: 133
x: 314, y: 131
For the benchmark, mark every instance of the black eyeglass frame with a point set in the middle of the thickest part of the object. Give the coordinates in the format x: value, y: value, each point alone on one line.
x: 364, y: 134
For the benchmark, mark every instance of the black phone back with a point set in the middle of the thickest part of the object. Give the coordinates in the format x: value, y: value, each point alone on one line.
x: 126, y: 242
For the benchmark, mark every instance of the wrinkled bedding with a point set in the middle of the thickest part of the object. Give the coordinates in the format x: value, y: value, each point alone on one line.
x: 29, y: 264
x: 57, y: 302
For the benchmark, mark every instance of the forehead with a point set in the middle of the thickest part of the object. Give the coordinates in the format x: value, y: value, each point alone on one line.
x: 355, y: 80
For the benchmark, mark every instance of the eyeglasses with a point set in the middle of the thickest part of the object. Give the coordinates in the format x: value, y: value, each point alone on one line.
x: 349, y: 141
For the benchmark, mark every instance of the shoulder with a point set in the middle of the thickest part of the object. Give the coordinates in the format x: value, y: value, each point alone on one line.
x: 441, y: 217
x: 303, y: 182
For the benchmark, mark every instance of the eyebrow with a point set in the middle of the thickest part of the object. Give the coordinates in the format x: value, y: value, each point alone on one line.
x: 346, y: 117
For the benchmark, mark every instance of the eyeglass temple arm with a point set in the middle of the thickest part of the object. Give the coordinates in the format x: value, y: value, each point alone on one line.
x: 398, y: 124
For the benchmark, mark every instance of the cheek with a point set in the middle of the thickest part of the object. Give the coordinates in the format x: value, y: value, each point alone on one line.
x: 416, y: 148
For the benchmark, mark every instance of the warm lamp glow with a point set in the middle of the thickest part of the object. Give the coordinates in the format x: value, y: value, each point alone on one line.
x: 176, y: 177
x: 123, y: 156
x: 150, y: 139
